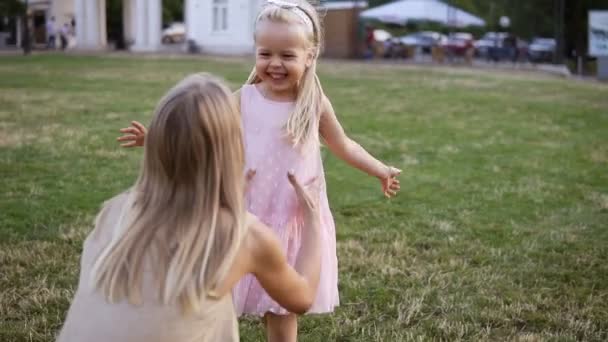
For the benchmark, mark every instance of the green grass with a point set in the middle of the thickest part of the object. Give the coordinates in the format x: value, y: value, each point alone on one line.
x: 500, y: 232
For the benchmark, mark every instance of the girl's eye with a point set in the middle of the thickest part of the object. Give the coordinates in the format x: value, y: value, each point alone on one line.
x: 289, y: 56
x: 264, y: 54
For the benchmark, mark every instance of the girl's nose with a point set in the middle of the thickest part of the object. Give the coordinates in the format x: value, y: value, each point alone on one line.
x: 275, y: 61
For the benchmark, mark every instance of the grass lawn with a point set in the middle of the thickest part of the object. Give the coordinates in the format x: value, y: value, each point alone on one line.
x: 500, y: 232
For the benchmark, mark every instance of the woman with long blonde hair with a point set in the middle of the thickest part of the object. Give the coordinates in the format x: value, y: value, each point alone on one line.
x: 164, y: 255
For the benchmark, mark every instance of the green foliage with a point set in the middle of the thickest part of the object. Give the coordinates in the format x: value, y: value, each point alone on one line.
x: 11, y: 8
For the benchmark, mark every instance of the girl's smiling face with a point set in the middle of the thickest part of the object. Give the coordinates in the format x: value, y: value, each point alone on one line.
x: 283, y: 53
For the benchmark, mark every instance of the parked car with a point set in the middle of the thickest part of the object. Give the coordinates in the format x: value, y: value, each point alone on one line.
x: 542, y: 50
x: 489, y: 41
x: 425, y: 40
x: 522, y: 49
x: 482, y: 47
x: 458, y: 44
x: 175, y: 33
x: 491, y: 45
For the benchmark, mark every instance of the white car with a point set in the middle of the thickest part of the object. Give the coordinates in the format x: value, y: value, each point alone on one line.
x: 175, y: 33
x: 542, y: 50
x: 382, y: 35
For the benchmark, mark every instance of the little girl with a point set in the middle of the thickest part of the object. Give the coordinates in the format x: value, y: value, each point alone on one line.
x: 284, y: 113
x: 163, y: 257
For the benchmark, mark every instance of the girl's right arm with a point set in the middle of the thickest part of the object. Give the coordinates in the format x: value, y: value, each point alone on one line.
x: 293, y: 288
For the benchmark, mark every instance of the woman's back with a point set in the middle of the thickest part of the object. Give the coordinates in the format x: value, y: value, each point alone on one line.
x: 91, y: 318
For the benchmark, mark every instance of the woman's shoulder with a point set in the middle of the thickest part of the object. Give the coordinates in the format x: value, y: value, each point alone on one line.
x: 108, y: 217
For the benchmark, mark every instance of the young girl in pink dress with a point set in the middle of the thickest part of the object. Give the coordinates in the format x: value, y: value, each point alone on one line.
x: 284, y: 115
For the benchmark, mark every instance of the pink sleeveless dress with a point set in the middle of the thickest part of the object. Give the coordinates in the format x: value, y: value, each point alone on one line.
x: 272, y: 199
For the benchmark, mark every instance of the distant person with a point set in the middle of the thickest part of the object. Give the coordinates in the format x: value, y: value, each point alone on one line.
x: 64, y: 35
x: 51, y: 33
x: 370, y: 41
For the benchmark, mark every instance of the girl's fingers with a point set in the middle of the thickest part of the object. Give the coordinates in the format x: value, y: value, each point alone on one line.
x: 130, y: 130
x: 313, y: 186
x: 127, y: 138
x: 139, y: 126
x: 314, y: 181
x: 304, y: 195
x: 294, y: 182
x: 129, y: 144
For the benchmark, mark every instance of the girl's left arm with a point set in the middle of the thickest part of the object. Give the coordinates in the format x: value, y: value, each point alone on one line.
x: 352, y: 153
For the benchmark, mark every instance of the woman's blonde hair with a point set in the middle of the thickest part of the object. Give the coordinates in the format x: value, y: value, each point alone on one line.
x: 186, y: 221
x: 302, y: 123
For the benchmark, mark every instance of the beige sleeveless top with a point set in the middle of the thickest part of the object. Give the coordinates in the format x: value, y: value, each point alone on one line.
x: 91, y: 318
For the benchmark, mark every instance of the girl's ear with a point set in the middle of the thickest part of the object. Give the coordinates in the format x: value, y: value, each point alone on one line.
x: 310, y: 57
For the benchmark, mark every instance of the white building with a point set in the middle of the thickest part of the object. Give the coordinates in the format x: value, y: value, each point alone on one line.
x: 215, y: 26
x: 221, y: 26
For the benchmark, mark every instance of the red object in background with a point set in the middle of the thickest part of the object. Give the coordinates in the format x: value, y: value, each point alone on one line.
x: 369, y: 38
x: 458, y: 44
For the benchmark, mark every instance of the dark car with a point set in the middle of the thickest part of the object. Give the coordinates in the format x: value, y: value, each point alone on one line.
x: 491, y: 45
x: 425, y: 40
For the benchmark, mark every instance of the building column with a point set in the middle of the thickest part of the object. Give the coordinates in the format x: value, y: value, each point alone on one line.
x: 154, y: 23
x: 80, y: 20
x: 90, y: 24
x: 140, y: 25
x: 147, y: 25
x: 187, y: 23
x: 128, y: 30
x: 102, y: 31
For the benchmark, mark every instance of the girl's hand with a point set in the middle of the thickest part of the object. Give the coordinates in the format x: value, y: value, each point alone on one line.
x: 390, y: 183
x: 134, y: 135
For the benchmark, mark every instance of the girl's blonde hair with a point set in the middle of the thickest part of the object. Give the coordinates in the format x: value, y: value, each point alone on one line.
x: 302, y: 123
x: 186, y: 220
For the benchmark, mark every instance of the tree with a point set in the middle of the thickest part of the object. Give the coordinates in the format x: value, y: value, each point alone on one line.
x: 173, y: 10
x: 11, y: 8
x: 576, y: 24
x: 17, y: 8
